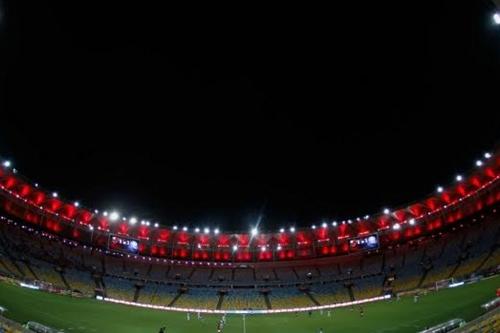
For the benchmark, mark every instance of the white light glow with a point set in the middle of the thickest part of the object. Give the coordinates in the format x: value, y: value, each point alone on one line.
x: 334, y: 223
x: 396, y: 226
x: 496, y: 18
x: 440, y: 189
x: 206, y: 231
x: 282, y: 230
x: 324, y: 225
x: 185, y: 228
x: 197, y: 230
x: 7, y: 164
x: 487, y: 155
x: 77, y: 204
x: 114, y: 216
x: 292, y: 229
x: 459, y: 178
x: 175, y: 227
x: 157, y: 225
x: 55, y: 195
x: 313, y: 227
x: 255, y: 231
x: 412, y: 222
x: 133, y: 220
x: 235, y: 248
x: 216, y: 231
x: 479, y: 163
x: 386, y: 211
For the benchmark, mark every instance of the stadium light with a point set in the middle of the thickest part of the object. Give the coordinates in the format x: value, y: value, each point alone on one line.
x: 96, y: 211
x: 124, y: 219
x: 36, y: 184
x: 175, y: 227
x: 349, y: 221
x: 496, y: 18
x: 55, y: 195
x: 292, y: 229
x: 386, y: 211
x: 133, y: 220
x: 479, y: 163
x: 235, y: 248
x: 459, y: 178
x: 148, y: 223
x: 157, y: 225
x: 334, y: 223
x: 412, y: 222
x: 263, y: 249
x: 324, y: 225
x: 197, y: 230
x: 367, y: 217
x: 7, y: 164
x: 487, y: 155
x: 206, y: 231
x: 440, y: 189
x: 185, y: 228
x: 255, y: 231
x: 282, y: 230
x: 216, y: 231
x: 76, y: 204
x: 396, y: 226
x: 114, y: 216
x: 313, y: 227
x: 105, y: 213
x: 278, y: 248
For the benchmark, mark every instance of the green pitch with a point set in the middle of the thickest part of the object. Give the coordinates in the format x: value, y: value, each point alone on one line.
x: 87, y: 315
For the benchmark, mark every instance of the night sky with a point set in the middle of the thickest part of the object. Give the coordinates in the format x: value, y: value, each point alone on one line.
x: 216, y: 116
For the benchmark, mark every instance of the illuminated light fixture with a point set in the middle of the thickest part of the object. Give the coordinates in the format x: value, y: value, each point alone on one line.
x: 324, y: 225
x: 124, y: 219
x: 96, y: 211
x: 386, y: 211
x: 7, y: 164
x: 334, y: 223
x: 216, y: 231
x: 396, y: 226
x: 197, y: 230
x: 487, y: 155
x: 114, y: 216
x: 412, y: 221
x: 440, y: 189
x: 349, y: 221
x: 255, y: 231
x: 459, y: 178
x: 263, y: 249
x: 157, y: 225
x: 282, y: 230
x: 496, y: 18
x: 235, y: 248
x: 76, y: 204
x: 175, y: 227
x: 143, y: 222
x: 313, y: 227
x: 55, y: 195
x: 148, y: 223
x: 133, y: 220
x: 479, y: 163
x: 184, y: 228
x: 292, y: 229
x: 206, y: 231
x: 36, y: 184
x: 91, y: 227
x: 105, y: 213
x: 367, y: 217
x: 278, y: 248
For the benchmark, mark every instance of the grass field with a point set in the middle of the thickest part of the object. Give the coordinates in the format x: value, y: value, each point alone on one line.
x: 88, y: 315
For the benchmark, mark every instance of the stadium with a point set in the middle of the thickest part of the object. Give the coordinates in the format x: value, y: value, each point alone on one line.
x: 430, y: 264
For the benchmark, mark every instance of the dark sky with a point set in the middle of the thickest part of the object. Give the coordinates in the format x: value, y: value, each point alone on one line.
x: 212, y: 116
